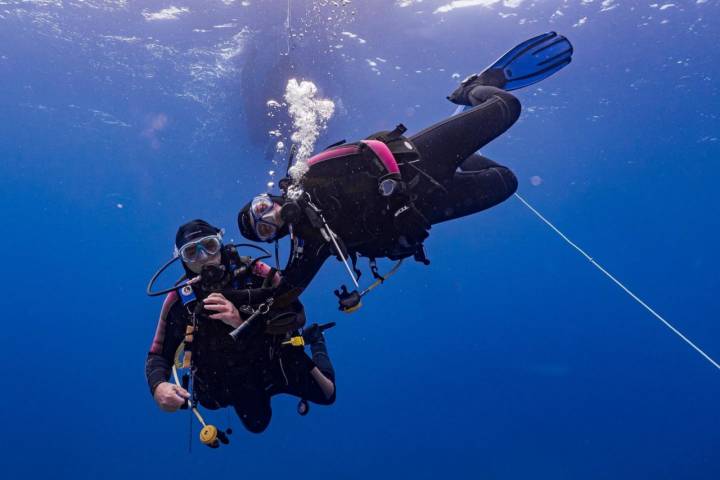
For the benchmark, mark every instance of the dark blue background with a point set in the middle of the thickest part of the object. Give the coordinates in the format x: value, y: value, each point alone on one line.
x: 508, y: 357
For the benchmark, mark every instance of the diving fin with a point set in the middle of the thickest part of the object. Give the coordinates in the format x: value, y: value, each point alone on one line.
x: 529, y: 62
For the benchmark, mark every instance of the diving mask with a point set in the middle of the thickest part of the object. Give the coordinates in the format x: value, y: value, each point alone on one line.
x: 190, y: 252
x: 262, y: 209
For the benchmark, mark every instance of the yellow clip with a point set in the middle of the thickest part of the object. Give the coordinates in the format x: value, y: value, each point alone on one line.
x: 353, y: 309
x: 295, y: 341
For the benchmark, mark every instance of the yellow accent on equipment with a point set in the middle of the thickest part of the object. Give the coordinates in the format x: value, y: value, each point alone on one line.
x: 177, y: 363
x: 353, y: 309
x: 374, y: 285
x: 209, y: 433
x: 387, y: 275
x: 189, y: 330
x: 298, y: 341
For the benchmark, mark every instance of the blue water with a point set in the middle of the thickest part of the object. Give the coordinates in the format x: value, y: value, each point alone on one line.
x: 509, y: 357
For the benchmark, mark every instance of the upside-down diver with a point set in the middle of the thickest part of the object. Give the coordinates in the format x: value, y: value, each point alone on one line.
x: 379, y: 197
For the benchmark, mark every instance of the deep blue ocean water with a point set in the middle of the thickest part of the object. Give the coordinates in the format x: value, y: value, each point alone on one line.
x: 509, y: 357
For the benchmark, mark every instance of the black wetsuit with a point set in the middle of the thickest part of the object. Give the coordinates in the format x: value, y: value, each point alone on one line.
x: 473, y: 182
x: 244, y: 375
x: 450, y: 181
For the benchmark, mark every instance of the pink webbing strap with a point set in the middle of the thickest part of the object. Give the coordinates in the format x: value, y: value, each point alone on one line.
x: 384, y: 154
x: 333, y: 153
x: 381, y: 151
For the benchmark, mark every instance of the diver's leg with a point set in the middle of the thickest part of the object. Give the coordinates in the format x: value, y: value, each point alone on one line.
x: 253, y: 409
x: 477, y: 163
x: 445, y: 145
x: 478, y: 184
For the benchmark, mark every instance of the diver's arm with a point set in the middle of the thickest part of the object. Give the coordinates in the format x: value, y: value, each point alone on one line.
x: 300, y: 271
x: 321, y: 370
x: 266, y: 279
x: 157, y: 371
x: 169, y: 334
x: 248, y: 296
x: 326, y: 385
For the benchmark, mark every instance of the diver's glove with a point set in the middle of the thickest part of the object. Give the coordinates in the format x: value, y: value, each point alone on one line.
x: 313, y: 334
x: 347, y: 300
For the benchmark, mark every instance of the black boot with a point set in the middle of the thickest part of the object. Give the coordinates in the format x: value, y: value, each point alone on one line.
x: 475, y: 90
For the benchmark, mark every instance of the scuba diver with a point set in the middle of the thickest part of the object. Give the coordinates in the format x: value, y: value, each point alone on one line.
x: 202, y: 320
x: 380, y: 196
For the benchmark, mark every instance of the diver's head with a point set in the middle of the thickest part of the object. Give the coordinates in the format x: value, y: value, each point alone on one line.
x: 198, y: 244
x: 260, y: 220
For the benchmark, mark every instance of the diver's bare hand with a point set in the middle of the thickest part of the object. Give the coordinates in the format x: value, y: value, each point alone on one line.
x: 170, y: 397
x: 226, y: 311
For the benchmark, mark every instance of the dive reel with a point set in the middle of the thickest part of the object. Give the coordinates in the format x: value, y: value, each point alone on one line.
x: 212, y: 437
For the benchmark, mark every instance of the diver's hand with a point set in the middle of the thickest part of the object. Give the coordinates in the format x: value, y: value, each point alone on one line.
x: 248, y: 296
x: 314, y: 333
x: 170, y: 397
x: 226, y: 311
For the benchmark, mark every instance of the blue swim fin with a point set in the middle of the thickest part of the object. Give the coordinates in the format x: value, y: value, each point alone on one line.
x: 529, y: 62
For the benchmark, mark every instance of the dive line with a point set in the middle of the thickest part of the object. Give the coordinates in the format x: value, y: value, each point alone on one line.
x: 288, y: 28
x: 618, y: 283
